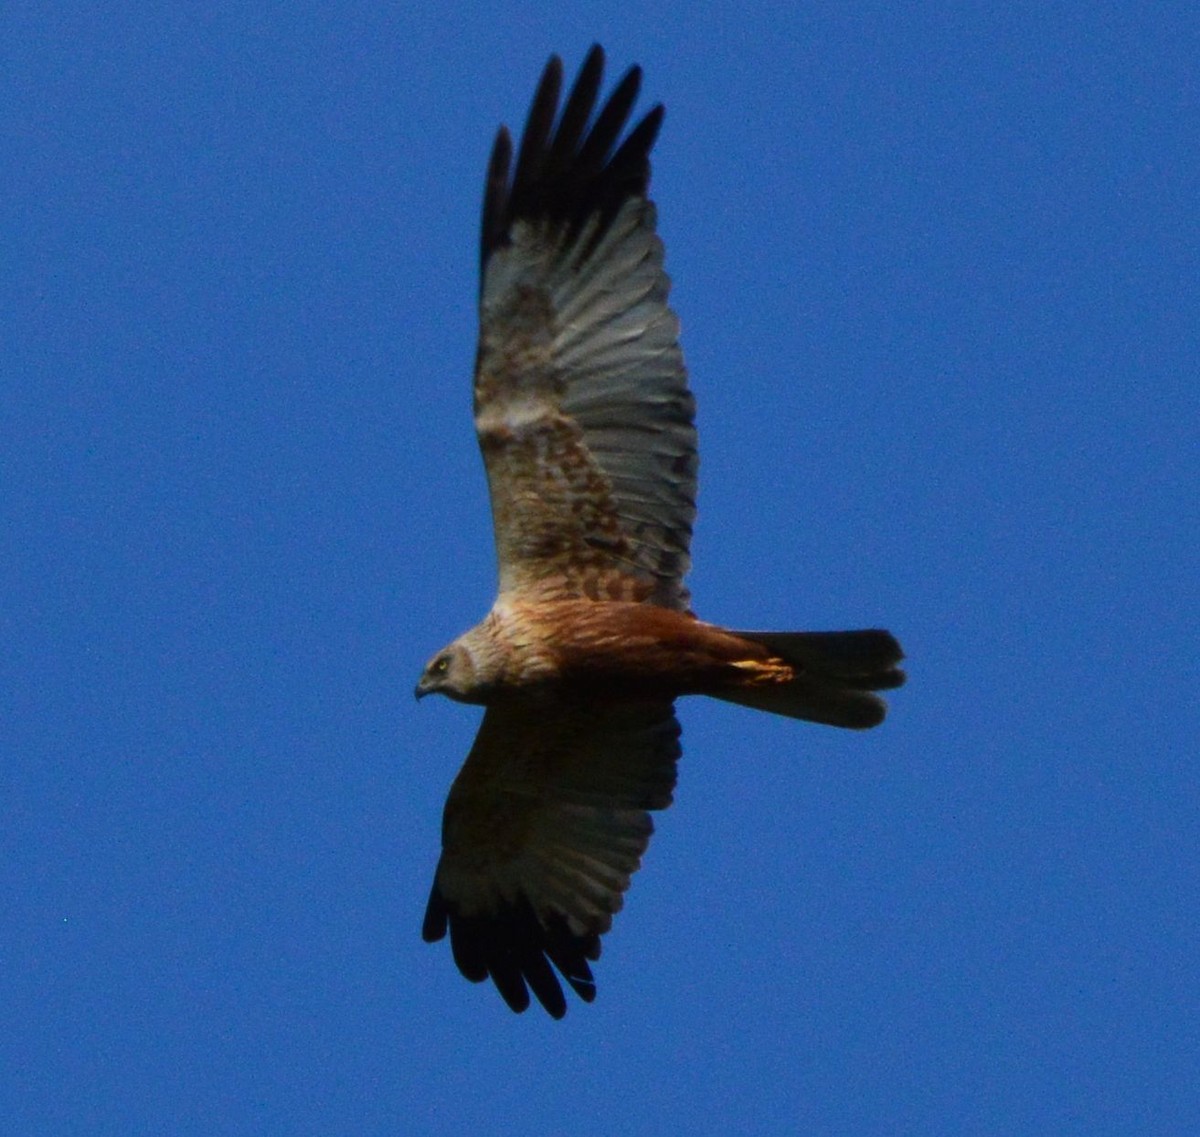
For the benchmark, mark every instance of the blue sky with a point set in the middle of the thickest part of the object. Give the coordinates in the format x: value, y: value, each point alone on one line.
x: 937, y: 272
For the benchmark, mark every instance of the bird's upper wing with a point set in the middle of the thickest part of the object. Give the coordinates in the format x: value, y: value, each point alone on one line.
x: 581, y: 400
x: 545, y: 824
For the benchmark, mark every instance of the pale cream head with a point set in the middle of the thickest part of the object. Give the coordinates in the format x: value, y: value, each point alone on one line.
x: 466, y: 670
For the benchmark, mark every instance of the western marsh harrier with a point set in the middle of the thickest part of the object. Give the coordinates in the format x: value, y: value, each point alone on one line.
x: 586, y: 426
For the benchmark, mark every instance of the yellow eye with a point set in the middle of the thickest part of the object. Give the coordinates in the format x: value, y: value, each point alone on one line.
x: 441, y: 665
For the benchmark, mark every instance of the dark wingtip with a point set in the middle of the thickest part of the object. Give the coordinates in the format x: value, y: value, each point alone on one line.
x: 515, y: 949
x: 569, y: 166
x: 495, y: 194
x: 433, y: 928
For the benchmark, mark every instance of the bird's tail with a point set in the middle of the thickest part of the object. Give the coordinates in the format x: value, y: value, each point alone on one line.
x: 834, y: 675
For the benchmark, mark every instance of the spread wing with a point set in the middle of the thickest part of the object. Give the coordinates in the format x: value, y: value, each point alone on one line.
x: 545, y: 824
x: 581, y: 401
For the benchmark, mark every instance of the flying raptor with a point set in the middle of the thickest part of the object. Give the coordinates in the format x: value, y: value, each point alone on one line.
x: 585, y: 422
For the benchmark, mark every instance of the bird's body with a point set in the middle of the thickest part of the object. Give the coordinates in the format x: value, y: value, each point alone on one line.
x: 620, y: 650
x: 586, y: 426
x: 609, y: 650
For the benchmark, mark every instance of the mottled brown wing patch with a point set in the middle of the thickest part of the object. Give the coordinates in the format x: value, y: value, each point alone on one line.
x: 545, y: 824
x: 558, y: 531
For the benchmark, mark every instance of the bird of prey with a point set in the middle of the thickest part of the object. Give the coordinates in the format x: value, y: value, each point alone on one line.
x: 585, y: 422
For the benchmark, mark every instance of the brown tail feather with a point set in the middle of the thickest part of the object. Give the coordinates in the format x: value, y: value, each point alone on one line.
x: 835, y: 675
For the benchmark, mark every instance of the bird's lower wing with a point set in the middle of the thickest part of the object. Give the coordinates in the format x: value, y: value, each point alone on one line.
x: 545, y: 825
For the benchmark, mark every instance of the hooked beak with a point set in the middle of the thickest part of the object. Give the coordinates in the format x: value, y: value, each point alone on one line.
x: 421, y: 691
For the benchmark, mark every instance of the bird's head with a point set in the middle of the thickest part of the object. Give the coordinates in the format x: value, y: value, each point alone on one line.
x: 451, y: 672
